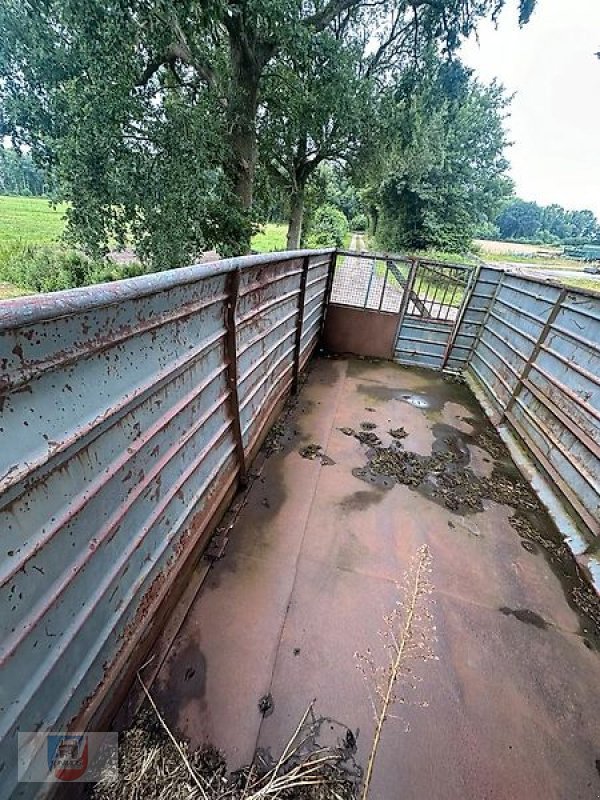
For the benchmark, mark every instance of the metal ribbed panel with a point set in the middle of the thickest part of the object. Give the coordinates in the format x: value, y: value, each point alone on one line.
x: 538, y: 360
x: 118, y: 446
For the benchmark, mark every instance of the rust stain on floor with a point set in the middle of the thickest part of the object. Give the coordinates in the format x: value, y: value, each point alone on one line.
x: 312, y: 566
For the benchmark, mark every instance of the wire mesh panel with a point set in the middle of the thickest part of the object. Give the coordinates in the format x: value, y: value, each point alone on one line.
x: 435, y: 297
x: 438, y: 291
x: 370, y: 282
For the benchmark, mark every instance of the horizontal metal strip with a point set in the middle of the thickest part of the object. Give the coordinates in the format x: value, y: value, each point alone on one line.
x: 307, y: 329
x: 538, y: 423
x: 318, y: 295
x: 420, y: 361
x: 316, y: 310
x: 592, y: 346
x: 505, y: 342
x: 555, y: 476
x: 91, y: 490
x: 260, y: 335
x: 405, y: 338
x: 105, y: 532
x: 432, y: 354
x: 430, y: 325
x: 256, y: 285
x: 576, y: 308
x: 261, y: 383
x: 576, y: 430
x: 319, y: 279
x: 73, y: 444
x: 285, y: 386
x: 267, y: 353
x: 500, y: 357
x: 494, y: 372
x: 27, y: 374
x: 567, y: 391
x: 316, y: 264
x: 491, y: 394
x: 510, y: 283
x: 457, y: 346
x: 409, y: 317
x: 572, y: 364
x: 519, y: 311
x: 525, y: 334
x: 76, y: 625
x: 265, y: 401
x: 243, y: 319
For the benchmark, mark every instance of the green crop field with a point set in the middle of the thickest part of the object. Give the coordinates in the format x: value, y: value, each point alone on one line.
x: 270, y: 237
x: 31, y: 220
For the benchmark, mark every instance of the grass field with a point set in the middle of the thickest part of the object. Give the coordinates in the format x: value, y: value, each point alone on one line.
x: 31, y: 220
x: 270, y: 237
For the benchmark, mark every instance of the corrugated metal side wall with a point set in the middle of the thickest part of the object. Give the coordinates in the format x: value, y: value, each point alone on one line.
x: 537, y: 358
x: 472, y: 318
x: 118, y: 445
x: 422, y: 343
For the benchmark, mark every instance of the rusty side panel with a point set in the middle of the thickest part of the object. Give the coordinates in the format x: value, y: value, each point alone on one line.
x: 117, y: 447
x: 360, y: 331
x: 537, y: 358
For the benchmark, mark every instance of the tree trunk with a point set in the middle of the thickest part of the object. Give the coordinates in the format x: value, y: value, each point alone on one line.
x: 242, y: 109
x: 295, y: 219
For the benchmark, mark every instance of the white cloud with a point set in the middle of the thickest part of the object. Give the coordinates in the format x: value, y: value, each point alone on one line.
x: 555, y: 116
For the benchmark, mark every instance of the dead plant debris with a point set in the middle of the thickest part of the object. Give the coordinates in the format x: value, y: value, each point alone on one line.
x: 315, y: 451
x: 445, y: 477
x: 398, y: 433
x: 155, y: 765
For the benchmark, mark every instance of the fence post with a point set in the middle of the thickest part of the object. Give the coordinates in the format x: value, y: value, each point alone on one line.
x: 534, y: 354
x: 233, y: 289
x: 300, y: 324
x: 328, y: 288
x: 473, y: 278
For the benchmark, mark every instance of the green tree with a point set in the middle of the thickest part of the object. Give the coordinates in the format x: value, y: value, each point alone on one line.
x: 19, y: 175
x: 528, y: 220
x: 441, y: 170
x: 147, y: 109
x: 317, y: 107
x: 520, y: 220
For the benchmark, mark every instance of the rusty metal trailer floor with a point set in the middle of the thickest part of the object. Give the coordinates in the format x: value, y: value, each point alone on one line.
x: 311, y: 568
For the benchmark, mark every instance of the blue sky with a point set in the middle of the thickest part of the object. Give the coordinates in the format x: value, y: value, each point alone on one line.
x: 555, y: 116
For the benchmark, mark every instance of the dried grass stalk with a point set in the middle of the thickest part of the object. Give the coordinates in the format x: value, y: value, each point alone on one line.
x: 408, y: 635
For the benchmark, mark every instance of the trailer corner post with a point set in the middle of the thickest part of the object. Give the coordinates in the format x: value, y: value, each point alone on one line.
x: 233, y: 288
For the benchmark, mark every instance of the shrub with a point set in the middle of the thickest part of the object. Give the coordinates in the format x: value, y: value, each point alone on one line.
x: 329, y: 227
x: 47, y: 268
x: 359, y: 223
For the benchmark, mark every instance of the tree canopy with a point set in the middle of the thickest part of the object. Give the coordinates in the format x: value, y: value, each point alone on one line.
x: 525, y: 220
x: 19, y: 175
x: 148, y: 111
x: 442, y: 169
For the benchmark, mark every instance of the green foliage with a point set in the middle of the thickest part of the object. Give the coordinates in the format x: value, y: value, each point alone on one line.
x: 19, y: 175
x: 145, y: 112
x: 48, y: 268
x: 329, y: 227
x: 441, y: 169
x: 359, y: 223
x: 520, y: 220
